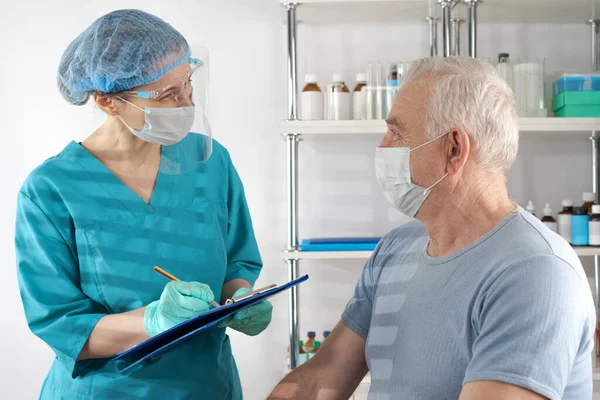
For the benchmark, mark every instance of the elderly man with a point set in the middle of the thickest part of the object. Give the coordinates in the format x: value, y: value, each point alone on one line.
x: 477, y: 299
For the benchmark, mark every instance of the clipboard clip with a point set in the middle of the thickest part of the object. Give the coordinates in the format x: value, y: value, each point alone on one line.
x: 250, y: 294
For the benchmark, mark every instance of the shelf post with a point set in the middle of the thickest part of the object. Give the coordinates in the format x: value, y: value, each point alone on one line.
x: 595, y: 25
x: 292, y: 24
x: 292, y: 194
x: 472, y: 6
x: 292, y: 180
x: 455, y: 36
x: 596, y: 186
x: 446, y: 17
x: 433, y: 40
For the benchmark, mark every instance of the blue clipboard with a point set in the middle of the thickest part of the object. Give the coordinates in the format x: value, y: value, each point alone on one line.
x: 166, y: 340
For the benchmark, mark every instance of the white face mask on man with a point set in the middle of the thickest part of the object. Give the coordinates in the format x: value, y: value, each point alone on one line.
x: 164, y: 126
x: 392, y: 166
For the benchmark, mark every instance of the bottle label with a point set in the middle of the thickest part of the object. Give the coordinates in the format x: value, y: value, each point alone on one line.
x: 595, y: 233
x: 553, y: 226
x: 311, y: 107
x: 580, y: 230
x: 564, y: 226
x: 359, y: 105
x: 339, y: 107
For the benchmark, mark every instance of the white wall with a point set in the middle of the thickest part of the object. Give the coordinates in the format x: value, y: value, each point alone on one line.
x: 247, y: 43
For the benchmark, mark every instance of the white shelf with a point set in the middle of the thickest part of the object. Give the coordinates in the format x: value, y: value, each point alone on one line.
x: 587, y: 251
x: 378, y: 127
x: 490, y: 11
x: 565, y: 125
x: 363, y: 255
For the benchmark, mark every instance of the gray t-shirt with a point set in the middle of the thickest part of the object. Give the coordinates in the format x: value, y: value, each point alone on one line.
x: 515, y: 306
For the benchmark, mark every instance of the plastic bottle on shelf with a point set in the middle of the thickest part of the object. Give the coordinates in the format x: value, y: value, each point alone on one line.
x: 548, y: 219
x: 302, y: 356
x: 316, y: 347
x: 505, y: 68
x: 531, y: 207
x: 309, y: 344
x: 580, y: 229
x: 530, y: 88
x: 359, y: 99
x: 391, y: 87
x: 564, y: 220
x: 326, y: 334
x: 589, y: 199
x: 311, y: 106
x: 342, y: 100
x: 594, y: 226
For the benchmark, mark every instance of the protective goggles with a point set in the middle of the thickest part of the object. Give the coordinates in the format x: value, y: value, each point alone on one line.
x: 177, y: 91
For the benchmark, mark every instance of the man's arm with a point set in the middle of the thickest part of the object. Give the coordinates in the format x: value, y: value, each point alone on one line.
x: 333, y: 373
x: 490, y: 390
x: 535, y: 323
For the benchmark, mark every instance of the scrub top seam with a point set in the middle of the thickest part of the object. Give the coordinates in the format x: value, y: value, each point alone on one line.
x: 102, y: 185
x: 67, y: 240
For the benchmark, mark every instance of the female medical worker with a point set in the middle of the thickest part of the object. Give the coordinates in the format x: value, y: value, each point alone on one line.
x: 140, y: 191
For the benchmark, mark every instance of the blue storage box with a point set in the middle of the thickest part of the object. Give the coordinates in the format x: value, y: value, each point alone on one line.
x: 577, y: 83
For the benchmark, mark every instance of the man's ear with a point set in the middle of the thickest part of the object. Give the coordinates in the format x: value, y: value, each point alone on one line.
x: 459, y: 149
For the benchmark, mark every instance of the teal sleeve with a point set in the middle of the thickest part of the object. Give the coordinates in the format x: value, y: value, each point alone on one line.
x: 243, y: 257
x: 56, y: 309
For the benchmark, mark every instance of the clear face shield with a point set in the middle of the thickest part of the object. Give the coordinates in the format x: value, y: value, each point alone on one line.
x: 177, y: 117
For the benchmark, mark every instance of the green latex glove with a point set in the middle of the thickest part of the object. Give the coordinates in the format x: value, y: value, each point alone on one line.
x: 178, y: 302
x: 252, y: 320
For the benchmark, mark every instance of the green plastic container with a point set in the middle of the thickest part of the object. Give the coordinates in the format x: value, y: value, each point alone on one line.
x: 576, y: 104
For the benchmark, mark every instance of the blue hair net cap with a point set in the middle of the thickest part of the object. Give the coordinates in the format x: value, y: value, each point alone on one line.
x: 119, y: 51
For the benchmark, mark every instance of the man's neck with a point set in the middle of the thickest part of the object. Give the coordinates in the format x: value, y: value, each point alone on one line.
x: 459, y: 218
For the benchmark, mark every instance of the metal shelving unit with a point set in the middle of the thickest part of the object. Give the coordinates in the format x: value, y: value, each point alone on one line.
x: 360, y: 11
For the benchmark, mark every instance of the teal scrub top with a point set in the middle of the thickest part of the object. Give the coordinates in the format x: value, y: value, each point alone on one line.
x: 86, y: 245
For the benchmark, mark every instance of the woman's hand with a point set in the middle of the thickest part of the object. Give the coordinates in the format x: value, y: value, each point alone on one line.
x: 252, y: 320
x: 178, y: 302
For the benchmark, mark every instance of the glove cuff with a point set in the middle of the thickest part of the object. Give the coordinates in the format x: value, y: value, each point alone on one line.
x: 150, y: 321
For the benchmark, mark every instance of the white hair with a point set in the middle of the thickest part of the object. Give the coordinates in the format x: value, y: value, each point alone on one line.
x: 470, y: 94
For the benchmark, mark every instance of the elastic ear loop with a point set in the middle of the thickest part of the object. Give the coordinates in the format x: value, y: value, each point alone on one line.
x: 131, y: 104
x: 428, y: 190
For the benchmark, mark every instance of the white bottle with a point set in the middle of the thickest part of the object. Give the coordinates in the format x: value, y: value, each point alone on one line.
x: 311, y: 107
x: 594, y: 226
x: 564, y: 220
x: 505, y: 69
x: 531, y: 207
x: 342, y: 99
x: 548, y: 219
x: 359, y: 97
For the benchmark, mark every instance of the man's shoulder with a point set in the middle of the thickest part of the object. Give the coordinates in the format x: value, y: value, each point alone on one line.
x: 527, y: 240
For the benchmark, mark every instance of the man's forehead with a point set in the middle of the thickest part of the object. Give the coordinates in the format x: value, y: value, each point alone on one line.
x: 409, y: 104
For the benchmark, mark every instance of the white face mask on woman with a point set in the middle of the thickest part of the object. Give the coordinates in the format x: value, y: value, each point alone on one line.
x: 392, y: 166
x: 164, y: 126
